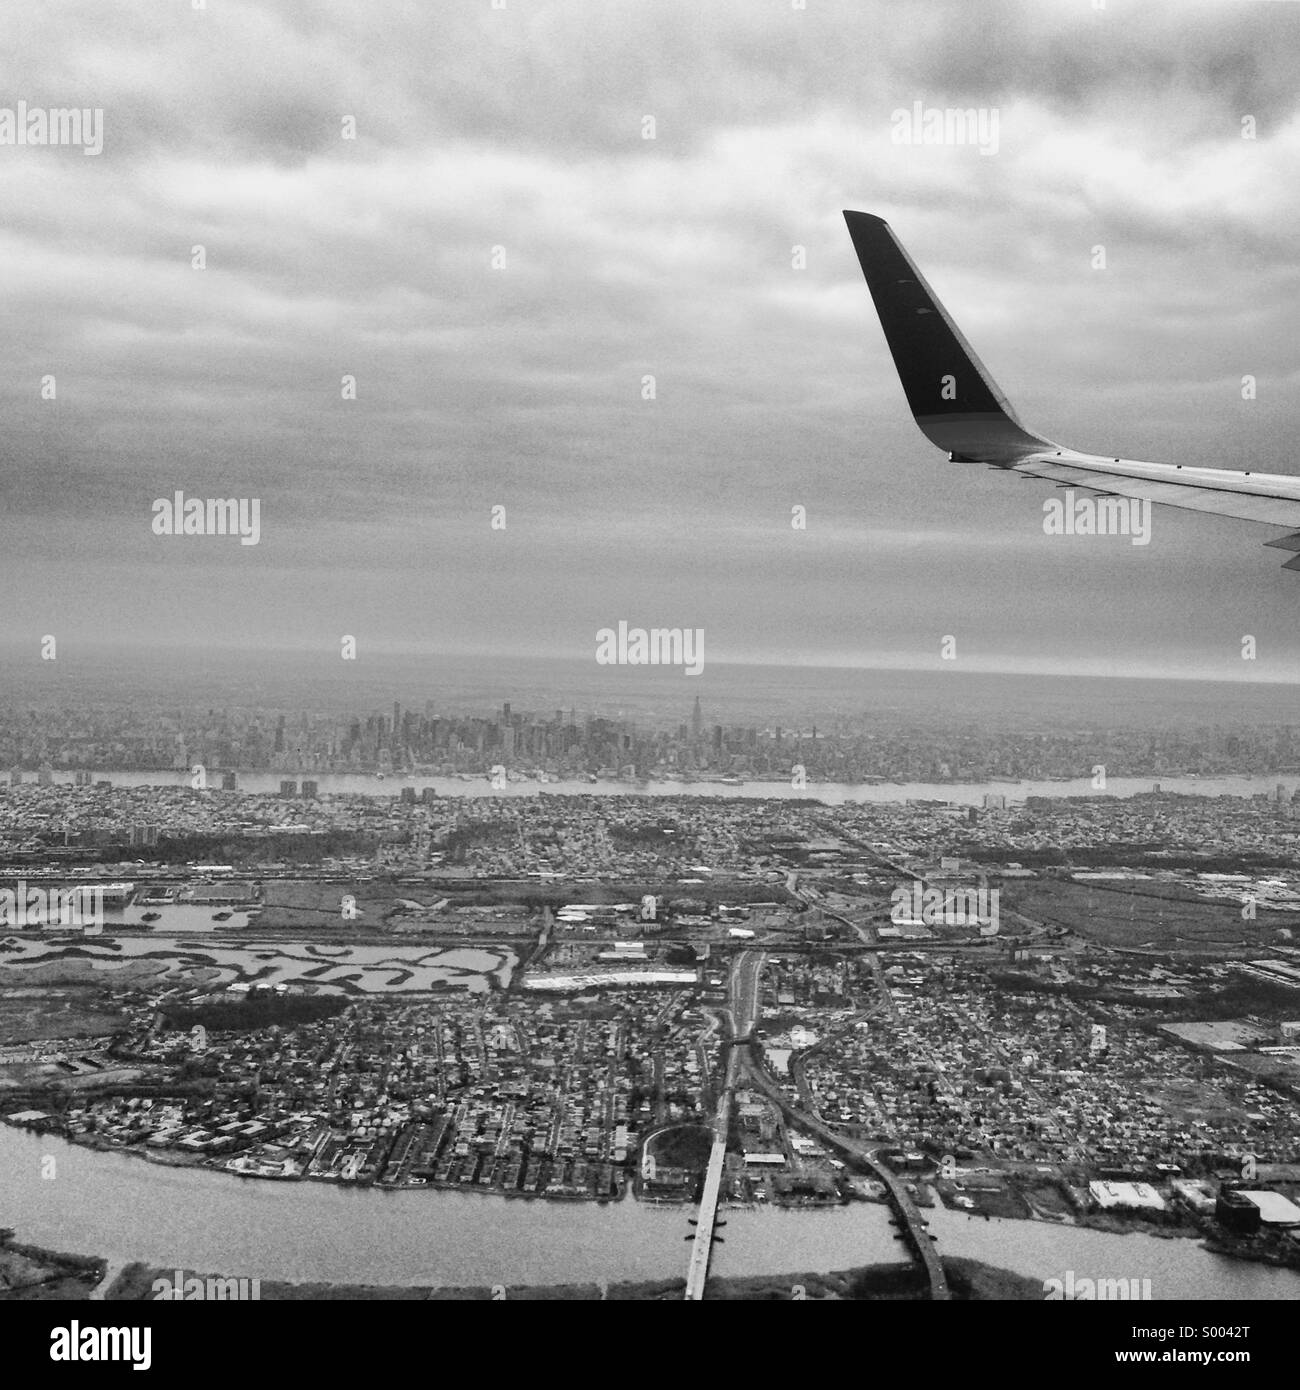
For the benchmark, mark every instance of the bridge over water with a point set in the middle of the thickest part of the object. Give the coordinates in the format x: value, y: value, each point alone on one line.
x: 905, y: 1209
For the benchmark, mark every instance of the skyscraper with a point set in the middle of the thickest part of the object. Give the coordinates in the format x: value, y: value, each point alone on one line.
x: 697, y: 719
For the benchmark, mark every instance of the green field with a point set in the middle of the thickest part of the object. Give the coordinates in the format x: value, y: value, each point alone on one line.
x: 687, y: 1146
x: 1146, y: 914
x: 55, y: 1013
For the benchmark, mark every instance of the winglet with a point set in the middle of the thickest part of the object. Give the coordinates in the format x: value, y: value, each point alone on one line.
x: 954, y: 400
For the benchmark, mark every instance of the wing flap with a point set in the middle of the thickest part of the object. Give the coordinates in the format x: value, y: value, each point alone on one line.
x: 1272, y: 499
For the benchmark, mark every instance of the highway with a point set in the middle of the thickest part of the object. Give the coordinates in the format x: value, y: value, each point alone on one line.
x: 743, y: 1065
x: 740, y: 1013
x: 747, y: 1059
x: 905, y: 1209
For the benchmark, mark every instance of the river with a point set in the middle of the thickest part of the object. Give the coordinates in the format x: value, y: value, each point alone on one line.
x: 828, y: 793
x: 127, y: 1209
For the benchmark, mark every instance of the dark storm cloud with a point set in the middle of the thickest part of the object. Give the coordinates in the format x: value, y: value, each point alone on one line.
x: 522, y: 129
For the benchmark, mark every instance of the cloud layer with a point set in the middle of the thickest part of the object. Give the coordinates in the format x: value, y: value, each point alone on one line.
x: 500, y: 258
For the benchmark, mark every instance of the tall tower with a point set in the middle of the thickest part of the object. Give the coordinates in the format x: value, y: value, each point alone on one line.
x: 697, y: 719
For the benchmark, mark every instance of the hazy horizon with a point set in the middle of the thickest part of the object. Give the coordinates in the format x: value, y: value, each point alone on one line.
x: 729, y: 692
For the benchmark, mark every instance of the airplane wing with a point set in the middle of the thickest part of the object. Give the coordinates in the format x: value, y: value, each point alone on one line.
x: 960, y: 409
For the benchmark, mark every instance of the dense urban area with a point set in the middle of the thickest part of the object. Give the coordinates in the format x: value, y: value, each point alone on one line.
x: 1078, y: 1010
x: 560, y: 744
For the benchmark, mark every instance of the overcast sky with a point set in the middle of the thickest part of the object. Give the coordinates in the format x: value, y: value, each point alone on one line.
x: 520, y: 386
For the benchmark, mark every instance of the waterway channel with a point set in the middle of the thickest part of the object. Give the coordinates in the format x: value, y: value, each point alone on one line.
x: 124, y: 1208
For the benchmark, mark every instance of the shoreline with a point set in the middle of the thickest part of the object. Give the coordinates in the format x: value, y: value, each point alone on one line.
x: 471, y: 785
x: 30, y: 1273
x: 1104, y: 1223
x: 972, y: 1280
